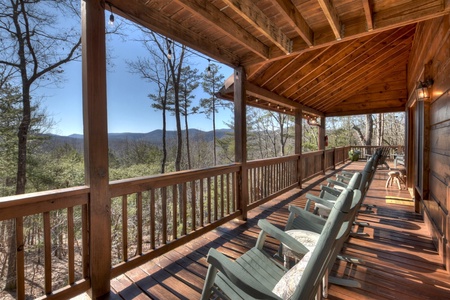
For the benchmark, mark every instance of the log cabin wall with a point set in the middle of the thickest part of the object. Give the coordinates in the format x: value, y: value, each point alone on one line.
x: 430, y: 56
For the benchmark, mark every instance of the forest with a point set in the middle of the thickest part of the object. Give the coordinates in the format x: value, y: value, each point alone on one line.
x: 31, y: 160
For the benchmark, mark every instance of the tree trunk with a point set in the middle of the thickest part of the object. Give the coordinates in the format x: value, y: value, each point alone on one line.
x: 10, y: 282
x: 188, y: 150
x: 164, y: 156
x: 214, y: 131
x: 369, y: 129
x: 380, y: 127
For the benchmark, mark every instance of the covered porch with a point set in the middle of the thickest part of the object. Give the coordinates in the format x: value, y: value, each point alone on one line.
x: 309, y: 59
x: 400, y: 260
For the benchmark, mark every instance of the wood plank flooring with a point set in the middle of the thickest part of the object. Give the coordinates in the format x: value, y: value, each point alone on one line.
x: 400, y: 260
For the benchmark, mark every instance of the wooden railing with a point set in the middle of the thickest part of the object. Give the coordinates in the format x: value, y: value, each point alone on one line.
x: 149, y: 217
x: 159, y: 213
x: 268, y: 178
x: 57, y: 247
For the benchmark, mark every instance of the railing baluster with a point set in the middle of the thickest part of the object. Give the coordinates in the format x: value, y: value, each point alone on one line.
x: 209, y: 199
x: 202, y: 217
x: 194, y: 200
x: 184, y: 208
x: 216, y: 209
x: 47, y: 253
x: 124, y: 228
x: 139, y: 223
x: 175, y: 211
x: 20, y: 259
x: 222, y: 203
x: 152, y: 219
x: 228, y: 193
x: 85, y: 237
x: 70, y: 245
x: 164, y: 214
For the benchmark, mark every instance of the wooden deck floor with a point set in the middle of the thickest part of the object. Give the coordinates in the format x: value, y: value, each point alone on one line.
x: 400, y: 259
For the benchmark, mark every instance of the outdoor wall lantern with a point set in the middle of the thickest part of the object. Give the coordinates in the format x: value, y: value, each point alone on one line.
x: 422, y: 90
x: 313, y: 121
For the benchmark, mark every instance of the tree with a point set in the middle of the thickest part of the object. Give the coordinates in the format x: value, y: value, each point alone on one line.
x: 212, y: 82
x: 366, y: 139
x: 10, y: 111
x: 155, y: 70
x: 188, y: 83
x: 175, y: 62
x: 34, y: 47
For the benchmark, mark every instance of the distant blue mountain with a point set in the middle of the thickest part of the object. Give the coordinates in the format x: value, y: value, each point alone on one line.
x: 153, y: 137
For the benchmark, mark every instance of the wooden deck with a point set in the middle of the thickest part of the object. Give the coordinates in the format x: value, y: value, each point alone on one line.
x: 401, y: 261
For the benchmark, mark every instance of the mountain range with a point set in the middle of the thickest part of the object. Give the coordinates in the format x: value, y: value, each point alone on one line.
x: 153, y: 137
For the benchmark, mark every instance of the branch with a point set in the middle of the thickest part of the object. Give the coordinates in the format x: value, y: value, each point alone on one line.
x: 68, y: 58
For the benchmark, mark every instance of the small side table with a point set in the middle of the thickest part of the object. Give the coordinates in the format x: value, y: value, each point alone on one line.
x: 395, y: 176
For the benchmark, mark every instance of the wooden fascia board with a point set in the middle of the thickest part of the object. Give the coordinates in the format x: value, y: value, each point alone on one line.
x: 367, y: 111
x: 296, y: 20
x: 410, y: 12
x: 368, y: 13
x: 154, y: 20
x: 333, y: 19
x: 211, y: 14
x: 253, y: 15
x: 258, y: 92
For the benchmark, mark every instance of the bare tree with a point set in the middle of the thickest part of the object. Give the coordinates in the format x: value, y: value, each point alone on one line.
x: 34, y: 47
x: 212, y: 82
x: 366, y: 139
x: 188, y: 83
x: 155, y: 69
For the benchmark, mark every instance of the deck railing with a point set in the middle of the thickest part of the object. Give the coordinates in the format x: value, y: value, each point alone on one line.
x: 149, y: 217
x: 268, y: 178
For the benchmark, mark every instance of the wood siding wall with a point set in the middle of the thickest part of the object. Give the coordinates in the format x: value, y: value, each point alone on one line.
x: 431, y: 55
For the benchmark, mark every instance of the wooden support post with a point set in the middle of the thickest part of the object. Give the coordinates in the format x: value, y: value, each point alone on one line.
x: 96, y: 145
x: 299, y: 143
x: 240, y: 136
x: 321, y: 142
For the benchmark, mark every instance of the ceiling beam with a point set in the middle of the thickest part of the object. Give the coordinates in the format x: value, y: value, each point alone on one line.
x: 258, y: 92
x: 296, y: 20
x: 253, y: 15
x: 211, y: 14
x: 368, y: 13
x: 331, y: 14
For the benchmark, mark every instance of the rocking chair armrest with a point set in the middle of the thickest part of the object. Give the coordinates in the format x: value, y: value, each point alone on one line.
x: 282, y: 236
x: 338, y: 183
x: 322, y: 201
x: 331, y: 190
x: 237, y: 275
x: 343, y: 178
x: 347, y: 173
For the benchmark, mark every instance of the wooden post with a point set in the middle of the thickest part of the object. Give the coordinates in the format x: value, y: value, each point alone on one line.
x: 240, y: 138
x: 321, y: 142
x: 96, y: 145
x: 299, y: 143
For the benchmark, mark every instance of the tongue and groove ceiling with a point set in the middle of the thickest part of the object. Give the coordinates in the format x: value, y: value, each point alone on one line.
x: 328, y: 57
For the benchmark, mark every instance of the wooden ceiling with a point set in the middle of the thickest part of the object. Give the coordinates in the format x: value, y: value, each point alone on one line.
x: 328, y: 57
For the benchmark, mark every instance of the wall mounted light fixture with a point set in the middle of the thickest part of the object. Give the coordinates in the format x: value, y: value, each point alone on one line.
x: 313, y: 121
x: 422, y: 90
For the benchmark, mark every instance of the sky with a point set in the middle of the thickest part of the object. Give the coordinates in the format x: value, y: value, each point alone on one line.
x: 129, y: 108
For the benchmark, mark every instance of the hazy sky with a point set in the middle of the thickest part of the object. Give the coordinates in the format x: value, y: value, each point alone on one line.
x: 129, y: 108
